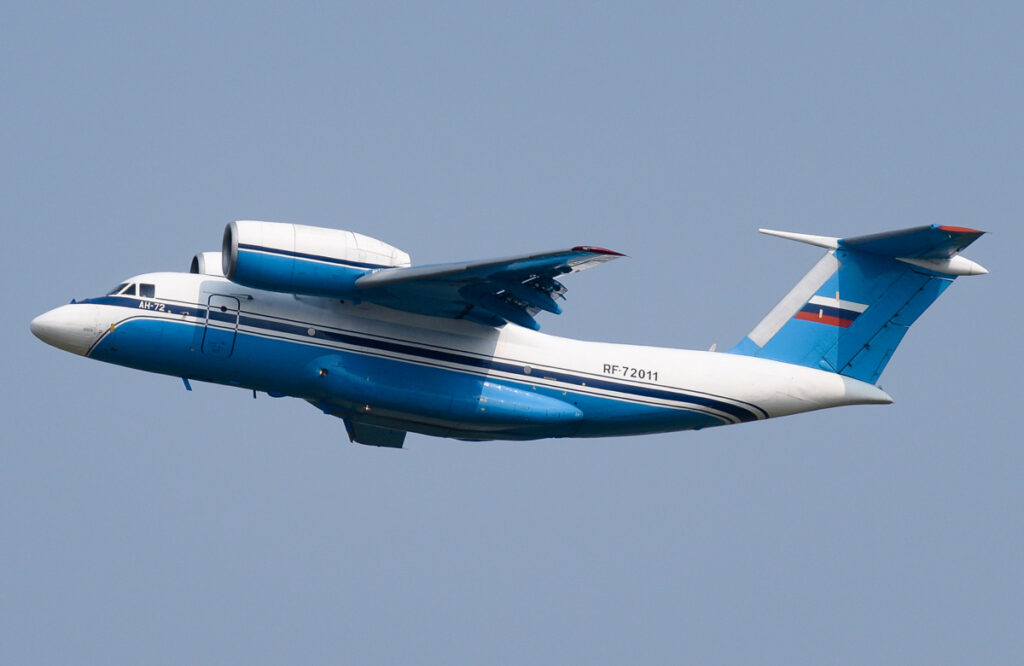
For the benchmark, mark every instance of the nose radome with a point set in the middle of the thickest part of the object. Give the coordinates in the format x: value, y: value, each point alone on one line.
x: 69, y: 327
x: 47, y: 326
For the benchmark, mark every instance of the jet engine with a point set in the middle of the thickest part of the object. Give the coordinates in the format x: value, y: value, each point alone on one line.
x: 298, y: 259
x: 207, y: 263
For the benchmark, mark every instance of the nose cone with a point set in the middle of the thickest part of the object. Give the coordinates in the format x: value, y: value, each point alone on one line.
x: 72, y: 328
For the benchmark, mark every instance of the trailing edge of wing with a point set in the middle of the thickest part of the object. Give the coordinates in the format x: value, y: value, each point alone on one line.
x: 492, y: 292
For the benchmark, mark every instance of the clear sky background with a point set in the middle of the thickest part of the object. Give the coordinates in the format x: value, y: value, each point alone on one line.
x: 143, y: 524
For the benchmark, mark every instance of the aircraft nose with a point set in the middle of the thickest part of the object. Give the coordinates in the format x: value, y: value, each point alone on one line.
x: 72, y: 328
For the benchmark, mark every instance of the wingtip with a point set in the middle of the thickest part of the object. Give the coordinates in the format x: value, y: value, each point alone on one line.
x: 960, y: 230
x: 597, y: 250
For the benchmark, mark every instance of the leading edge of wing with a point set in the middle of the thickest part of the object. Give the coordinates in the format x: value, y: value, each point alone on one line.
x: 575, y: 259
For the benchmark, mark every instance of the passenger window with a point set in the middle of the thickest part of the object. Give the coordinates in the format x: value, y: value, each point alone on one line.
x: 130, y: 291
x: 147, y: 290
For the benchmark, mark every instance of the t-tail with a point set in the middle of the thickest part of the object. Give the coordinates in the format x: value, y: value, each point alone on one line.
x: 850, y: 312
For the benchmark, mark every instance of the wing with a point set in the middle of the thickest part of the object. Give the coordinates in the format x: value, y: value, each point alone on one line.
x: 491, y: 292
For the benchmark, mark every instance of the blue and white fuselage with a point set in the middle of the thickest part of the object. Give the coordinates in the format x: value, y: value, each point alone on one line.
x: 387, y: 371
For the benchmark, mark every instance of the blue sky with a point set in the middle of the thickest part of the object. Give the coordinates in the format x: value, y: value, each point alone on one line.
x: 143, y: 524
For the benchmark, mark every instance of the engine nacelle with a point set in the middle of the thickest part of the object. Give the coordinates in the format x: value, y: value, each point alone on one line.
x: 207, y: 263
x: 298, y: 259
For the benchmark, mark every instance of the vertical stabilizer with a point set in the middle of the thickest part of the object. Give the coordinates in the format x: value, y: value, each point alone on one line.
x: 850, y: 312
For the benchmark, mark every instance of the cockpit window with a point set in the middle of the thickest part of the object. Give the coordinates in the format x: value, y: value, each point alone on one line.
x: 117, y: 289
x: 130, y: 291
x: 147, y: 290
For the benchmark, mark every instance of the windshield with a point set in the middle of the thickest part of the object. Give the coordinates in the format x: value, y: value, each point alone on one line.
x: 117, y: 289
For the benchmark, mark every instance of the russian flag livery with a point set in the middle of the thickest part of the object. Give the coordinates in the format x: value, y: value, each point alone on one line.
x: 831, y: 311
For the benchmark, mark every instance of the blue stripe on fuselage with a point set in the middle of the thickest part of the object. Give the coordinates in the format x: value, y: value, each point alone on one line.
x: 578, y: 383
x: 265, y: 363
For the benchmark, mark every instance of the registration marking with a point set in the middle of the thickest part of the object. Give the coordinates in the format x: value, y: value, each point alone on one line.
x: 631, y: 372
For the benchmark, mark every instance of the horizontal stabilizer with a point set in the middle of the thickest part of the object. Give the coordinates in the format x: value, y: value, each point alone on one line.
x: 934, y: 248
x: 827, y: 242
x: 931, y: 242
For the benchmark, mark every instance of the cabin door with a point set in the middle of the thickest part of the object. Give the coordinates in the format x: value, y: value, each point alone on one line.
x: 221, y: 325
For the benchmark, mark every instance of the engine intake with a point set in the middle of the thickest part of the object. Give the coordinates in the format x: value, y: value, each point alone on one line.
x: 299, y: 259
x: 207, y: 263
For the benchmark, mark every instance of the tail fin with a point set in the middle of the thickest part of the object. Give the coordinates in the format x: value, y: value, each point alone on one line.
x: 849, y: 313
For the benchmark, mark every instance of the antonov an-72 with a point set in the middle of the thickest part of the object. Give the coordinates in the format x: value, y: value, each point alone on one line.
x: 344, y: 322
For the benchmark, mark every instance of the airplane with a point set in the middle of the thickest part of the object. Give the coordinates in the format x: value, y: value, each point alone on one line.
x: 348, y: 324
